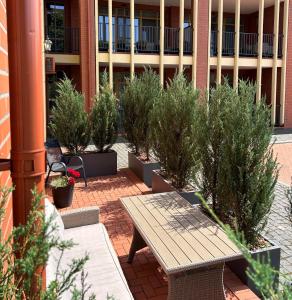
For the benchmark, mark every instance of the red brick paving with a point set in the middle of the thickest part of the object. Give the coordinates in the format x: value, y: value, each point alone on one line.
x: 145, y: 277
x: 283, y: 152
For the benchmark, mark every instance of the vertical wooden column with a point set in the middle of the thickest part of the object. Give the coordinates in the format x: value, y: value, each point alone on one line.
x: 195, y: 41
x: 181, y: 34
x: 25, y: 46
x: 284, y: 62
x: 260, y: 49
x: 219, y: 41
x: 237, y: 38
x: 161, y: 58
x: 275, y: 61
x: 132, y: 19
x: 96, y: 46
x: 110, y: 46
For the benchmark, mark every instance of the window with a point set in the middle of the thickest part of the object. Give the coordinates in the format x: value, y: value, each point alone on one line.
x: 55, y: 25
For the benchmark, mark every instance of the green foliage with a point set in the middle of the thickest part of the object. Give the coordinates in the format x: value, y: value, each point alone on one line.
x: 104, y: 117
x: 137, y: 101
x: 262, y: 274
x: 239, y: 172
x: 61, y: 181
x: 69, y: 122
x: 24, y: 253
x: 173, y: 130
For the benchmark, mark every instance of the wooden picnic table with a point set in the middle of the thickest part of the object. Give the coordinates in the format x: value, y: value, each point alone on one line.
x: 190, y: 247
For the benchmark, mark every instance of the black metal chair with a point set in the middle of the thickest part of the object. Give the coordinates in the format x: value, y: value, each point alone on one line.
x: 57, y: 162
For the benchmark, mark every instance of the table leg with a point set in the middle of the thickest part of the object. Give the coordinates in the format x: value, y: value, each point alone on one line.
x: 203, y: 283
x: 137, y: 244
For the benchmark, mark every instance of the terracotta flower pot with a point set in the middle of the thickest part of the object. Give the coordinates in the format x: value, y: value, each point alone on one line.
x: 63, y: 196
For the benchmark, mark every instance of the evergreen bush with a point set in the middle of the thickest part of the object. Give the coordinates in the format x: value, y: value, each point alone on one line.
x: 239, y: 172
x: 137, y: 102
x: 70, y: 124
x: 24, y: 254
x: 104, y: 117
x: 173, y: 130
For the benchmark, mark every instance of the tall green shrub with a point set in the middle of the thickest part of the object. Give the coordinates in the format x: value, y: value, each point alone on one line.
x: 69, y: 122
x: 239, y: 172
x: 104, y: 117
x: 173, y: 130
x: 137, y: 101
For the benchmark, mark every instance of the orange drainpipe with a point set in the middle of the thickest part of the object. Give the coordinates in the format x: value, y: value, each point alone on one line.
x: 25, y: 46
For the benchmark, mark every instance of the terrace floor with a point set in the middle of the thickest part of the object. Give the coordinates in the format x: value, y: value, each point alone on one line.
x: 145, y: 277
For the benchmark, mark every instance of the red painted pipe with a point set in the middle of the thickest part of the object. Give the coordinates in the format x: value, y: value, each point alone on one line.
x: 26, y: 102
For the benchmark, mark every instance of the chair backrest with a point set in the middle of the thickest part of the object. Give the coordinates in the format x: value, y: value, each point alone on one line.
x: 53, y: 151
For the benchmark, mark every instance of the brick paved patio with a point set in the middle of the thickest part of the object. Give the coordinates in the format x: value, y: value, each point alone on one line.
x: 145, y: 277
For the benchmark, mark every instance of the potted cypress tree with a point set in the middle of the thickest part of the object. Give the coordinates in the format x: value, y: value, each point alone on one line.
x: 173, y: 137
x: 238, y: 170
x: 137, y: 101
x: 69, y: 121
x: 104, y: 129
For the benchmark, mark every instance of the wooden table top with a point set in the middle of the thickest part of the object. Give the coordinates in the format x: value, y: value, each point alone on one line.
x: 180, y: 236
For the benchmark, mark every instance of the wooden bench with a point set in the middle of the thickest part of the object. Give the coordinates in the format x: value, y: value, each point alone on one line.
x: 190, y: 247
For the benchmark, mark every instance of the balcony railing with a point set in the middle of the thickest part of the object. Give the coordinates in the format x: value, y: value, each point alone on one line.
x: 147, y: 39
x: 248, y: 44
x: 65, y: 40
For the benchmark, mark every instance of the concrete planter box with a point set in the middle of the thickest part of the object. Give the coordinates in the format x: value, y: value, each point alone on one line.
x: 99, y: 164
x: 142, y: 169
x: 269, y: 255
x: 160, y: 185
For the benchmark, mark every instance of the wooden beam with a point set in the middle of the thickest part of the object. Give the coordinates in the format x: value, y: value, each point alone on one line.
x: 237, y: 37
x: 284, y: 62
x: 110, y: 46
x: 195, y: 41
x: 219, y: 41
x: 275, y: 60
x: 132, y: 19
x: 96, y: 47
x: 260, y: 49
x: 161, y: 58
x: 181, y: 34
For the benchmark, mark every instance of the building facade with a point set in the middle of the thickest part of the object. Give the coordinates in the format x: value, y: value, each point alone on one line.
x: 208, y: 40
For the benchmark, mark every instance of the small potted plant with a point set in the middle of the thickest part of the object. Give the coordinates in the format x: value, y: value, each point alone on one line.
x: 63, y: 187
x: 138, y: 99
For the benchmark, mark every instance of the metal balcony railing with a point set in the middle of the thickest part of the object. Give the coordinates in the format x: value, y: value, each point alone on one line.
x: 148, y: 39
x: 65, y: 40
x: 248, y: 44
x: 171, y: 40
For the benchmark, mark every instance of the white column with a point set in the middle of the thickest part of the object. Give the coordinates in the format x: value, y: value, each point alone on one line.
x: 132, y: 19
x: 236, y: 48
x: 275, y: 61
x: 181, y: 34
x: 219, y: 40
x: 195, y: 41
x: 284, y: 62
x: 110, y: 46
x: 161, y: 58
x: 260, y: 49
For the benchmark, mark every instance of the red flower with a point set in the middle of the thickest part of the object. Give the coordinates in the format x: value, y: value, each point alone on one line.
x: 71, y: 181
x: 73, y: 173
